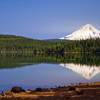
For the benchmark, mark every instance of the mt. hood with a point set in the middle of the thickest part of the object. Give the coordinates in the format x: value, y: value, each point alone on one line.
x: 85, y: 32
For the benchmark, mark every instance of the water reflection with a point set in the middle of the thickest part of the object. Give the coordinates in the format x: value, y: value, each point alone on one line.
x: 12, y: 61
x: 34, y: 71
x: 88, y: 72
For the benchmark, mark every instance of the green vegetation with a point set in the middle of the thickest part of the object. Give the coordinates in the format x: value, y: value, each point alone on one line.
x: 21, y: 45
x: 21, y: 51
x: 12, y: 61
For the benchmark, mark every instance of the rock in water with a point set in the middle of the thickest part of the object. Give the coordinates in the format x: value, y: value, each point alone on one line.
x: 17, y: 89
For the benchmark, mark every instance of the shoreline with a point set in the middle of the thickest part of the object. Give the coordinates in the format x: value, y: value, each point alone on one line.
x: 83, y: 91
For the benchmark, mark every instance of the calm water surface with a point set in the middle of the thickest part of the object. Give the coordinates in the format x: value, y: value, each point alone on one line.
x: 47, y: 75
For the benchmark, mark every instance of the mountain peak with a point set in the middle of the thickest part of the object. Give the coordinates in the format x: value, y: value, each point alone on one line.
x: 85, y: 32
x: 88, y: 27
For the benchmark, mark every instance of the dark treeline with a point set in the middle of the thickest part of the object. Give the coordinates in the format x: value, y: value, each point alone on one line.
x: 22, y: 45
x: 14, y: 60
x: 20, y: 51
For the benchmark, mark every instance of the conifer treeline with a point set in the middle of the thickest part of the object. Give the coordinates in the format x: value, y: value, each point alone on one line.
x: 21, y: 45
x: 11, y: 61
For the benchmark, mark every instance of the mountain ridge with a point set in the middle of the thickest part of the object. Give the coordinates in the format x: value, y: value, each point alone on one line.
x: 85, y: 32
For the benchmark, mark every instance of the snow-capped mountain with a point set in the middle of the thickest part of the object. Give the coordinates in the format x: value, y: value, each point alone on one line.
x: 88, y: 72
x: 85, y: 32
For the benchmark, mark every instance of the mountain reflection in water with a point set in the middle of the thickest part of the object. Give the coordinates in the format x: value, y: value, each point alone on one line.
x: 88, y: 72
x: 47, y: 71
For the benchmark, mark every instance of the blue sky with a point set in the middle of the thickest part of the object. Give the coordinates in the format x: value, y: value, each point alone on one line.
x: 42, y: 19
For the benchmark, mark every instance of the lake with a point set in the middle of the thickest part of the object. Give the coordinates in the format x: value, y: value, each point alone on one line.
x: 33, y: 72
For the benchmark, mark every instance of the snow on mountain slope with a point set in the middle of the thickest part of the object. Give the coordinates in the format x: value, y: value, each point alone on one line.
x: 85, y: 32
x: 88, y: 72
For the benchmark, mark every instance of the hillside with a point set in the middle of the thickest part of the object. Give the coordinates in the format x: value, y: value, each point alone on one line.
x: 10, y: 44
